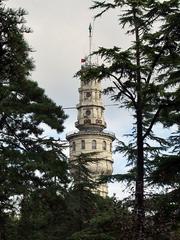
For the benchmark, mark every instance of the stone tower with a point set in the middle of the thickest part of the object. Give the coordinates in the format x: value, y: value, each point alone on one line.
x: 91, y: 136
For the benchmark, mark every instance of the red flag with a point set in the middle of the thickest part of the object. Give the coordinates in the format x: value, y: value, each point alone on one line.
x: 83, y: 60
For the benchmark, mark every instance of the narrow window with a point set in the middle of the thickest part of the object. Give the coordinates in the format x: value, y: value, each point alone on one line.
x: 74, y: 146
x: 104, y: 145
x: 82, y: 144
x: 93, y: 144
x: 88, y: 94
x: 110, y: 147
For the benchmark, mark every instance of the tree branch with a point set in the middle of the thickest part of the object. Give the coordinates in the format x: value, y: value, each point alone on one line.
x: 156, y: 115
x: 12, y: 143
x: 154, y: 64
x: 156, y: 59
x: 16, y: 137
x: 2, y: 121
x: 124, y: 90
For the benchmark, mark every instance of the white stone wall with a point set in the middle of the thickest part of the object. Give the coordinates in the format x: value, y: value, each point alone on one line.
x: 102, y: 164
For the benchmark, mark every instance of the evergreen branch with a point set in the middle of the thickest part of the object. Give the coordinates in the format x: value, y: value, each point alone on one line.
x: 153, y: 65
x: 123, y: 89
x: 15, y: 135
x: 156, y: 115
x: 2, y: 121
x: 14, y: 144
x: 104, y: 5
x: 128, y: 177
x: 157, y: 57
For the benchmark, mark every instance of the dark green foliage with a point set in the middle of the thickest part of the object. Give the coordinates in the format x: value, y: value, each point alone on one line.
x: 167, y: 170
x: 49, y: 214
x: 145, y: 78
x: 82, y: 207
x: 28, y: 159
x: 81, y: 201
x: 163, y: 217
x: 113, y: 222
x: 42, y: 215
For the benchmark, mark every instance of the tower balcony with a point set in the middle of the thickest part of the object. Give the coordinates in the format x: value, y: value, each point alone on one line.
x: 90, y: 124
x: 73, y: 134
x: 113, y: 136
x: 90, y: 104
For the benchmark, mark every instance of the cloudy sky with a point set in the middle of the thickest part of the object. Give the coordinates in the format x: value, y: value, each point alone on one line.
x: 59, y: 41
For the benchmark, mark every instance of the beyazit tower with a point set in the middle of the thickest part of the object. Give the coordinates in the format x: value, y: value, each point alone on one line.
x: 91, y: 137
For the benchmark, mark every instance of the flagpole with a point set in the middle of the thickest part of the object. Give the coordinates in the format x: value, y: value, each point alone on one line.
x: 90, y: 43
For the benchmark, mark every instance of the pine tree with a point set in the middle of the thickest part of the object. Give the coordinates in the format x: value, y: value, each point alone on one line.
x: 28, y: 159
x: 81, y: 198
x: 165, y: 173
x: 145, y: 78
x: 112, y: 221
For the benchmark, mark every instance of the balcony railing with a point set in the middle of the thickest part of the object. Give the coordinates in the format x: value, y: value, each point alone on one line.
x: 90, y: 132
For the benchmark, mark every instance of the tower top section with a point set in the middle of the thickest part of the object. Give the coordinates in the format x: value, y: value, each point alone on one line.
x: 90, y: 107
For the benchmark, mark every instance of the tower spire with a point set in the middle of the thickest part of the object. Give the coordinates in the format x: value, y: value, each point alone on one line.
x: 90, y: 42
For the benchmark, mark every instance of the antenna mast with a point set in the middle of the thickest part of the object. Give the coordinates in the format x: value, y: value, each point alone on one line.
x: 90, y: 43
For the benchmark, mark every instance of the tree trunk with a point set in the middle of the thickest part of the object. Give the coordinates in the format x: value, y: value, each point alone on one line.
x: 139, y: 192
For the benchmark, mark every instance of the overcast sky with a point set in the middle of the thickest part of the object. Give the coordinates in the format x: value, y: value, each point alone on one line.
x: 59, y: 41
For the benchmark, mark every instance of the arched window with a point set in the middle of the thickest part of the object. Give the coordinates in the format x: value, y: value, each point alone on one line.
x: 104, y: 145
x: 83, y: 144
x: 74, y: 146
x: 94, y: 144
